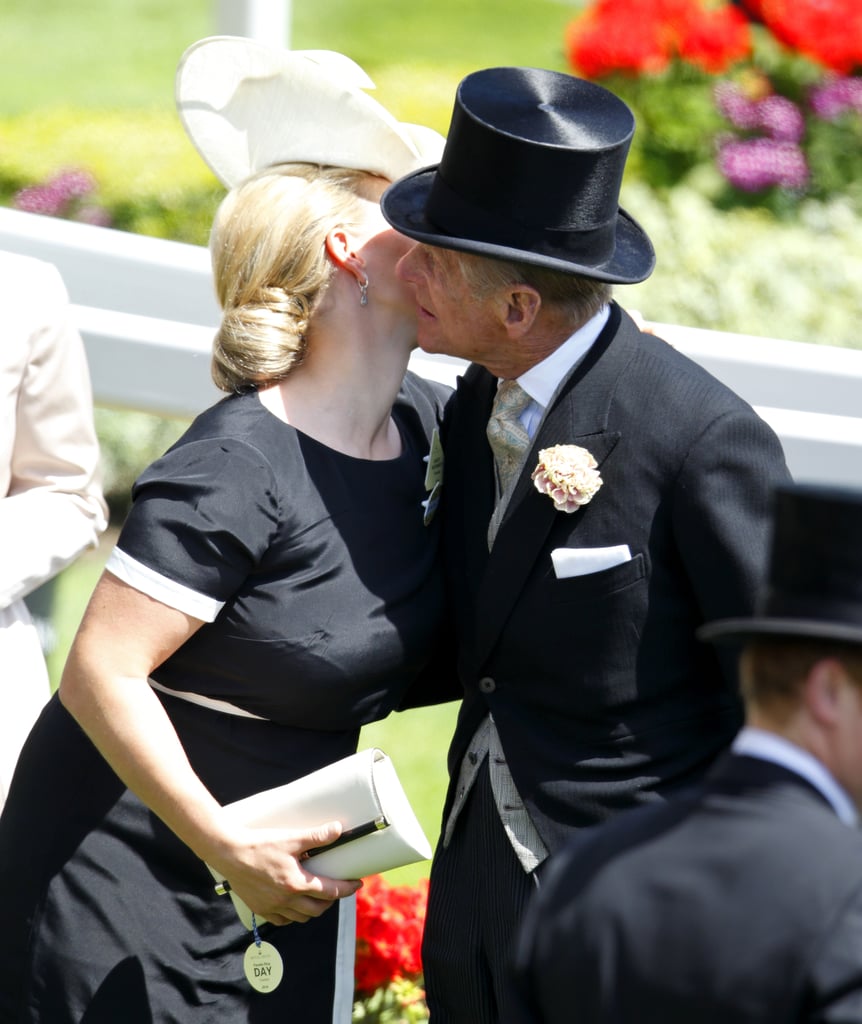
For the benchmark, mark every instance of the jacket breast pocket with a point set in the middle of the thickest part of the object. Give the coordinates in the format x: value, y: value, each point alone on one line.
x: 595, y: 586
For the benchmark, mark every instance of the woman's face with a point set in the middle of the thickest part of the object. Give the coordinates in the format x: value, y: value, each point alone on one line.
x: 382, y: 247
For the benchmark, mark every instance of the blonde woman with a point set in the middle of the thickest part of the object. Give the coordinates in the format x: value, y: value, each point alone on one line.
x: 275, y: 587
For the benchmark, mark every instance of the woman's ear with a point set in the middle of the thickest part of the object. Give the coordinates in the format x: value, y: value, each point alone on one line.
x: 339, y: 248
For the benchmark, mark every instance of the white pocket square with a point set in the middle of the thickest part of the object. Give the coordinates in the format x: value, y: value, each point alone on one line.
x: 570, y: 562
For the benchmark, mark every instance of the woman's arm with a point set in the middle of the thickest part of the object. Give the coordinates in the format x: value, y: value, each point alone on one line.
x: 124, y: 636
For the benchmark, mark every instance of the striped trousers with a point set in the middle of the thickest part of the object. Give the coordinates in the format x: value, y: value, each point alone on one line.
x: 476, y: 900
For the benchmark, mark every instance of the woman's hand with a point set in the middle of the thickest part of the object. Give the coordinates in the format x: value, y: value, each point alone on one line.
x: 123, y: 636
x: 264, y: 868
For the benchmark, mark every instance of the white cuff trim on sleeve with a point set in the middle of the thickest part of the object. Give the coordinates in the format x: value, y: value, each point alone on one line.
x: 160, y: 588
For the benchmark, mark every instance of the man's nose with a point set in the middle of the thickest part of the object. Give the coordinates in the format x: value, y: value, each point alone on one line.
x: 404, y: 268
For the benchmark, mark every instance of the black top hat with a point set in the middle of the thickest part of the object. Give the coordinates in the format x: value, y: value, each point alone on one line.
x: 531, y: 172
x: 814, y: 586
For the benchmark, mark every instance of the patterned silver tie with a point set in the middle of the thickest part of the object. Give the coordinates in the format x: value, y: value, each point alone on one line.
x: 506, y: 434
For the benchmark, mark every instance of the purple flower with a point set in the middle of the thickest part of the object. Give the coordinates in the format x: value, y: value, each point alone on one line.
x: 837, y: 96
x: 734, y: 105
x: 44, y: 199
x: 781, y: 119
x: 752, y: 165
x: 61, y: 196
x: 95, y: 215
x: 73, y: 184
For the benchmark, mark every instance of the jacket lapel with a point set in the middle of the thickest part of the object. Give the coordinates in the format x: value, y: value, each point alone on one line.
x: 469, y: 464
x: 578, y: 415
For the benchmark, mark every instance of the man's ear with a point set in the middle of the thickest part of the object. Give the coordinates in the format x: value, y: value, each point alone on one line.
x: 823, y: 690
x: 522, y: 305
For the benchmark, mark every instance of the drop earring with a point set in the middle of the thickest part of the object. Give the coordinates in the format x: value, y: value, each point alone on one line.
x: 363, y: 292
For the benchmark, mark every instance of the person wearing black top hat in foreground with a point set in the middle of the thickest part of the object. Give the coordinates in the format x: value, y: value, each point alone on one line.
x: 628, y: 504
x: 742, y: 901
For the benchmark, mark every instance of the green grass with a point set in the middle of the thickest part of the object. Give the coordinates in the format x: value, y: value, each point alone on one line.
x: 101, y: 54
x: 122, y: 54
x: 417, y: 742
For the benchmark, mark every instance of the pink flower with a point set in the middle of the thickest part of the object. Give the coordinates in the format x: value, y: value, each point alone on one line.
x: 67, y: 194
x: 837, y: 96
x: 754, y: 164
x: 568, y: 475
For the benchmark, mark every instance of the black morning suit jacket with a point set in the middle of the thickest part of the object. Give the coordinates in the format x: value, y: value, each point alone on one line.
x: 738, y: 904
x: 599, y: 689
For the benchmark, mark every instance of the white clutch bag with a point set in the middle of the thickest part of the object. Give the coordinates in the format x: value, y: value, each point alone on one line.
x: 380, y: 830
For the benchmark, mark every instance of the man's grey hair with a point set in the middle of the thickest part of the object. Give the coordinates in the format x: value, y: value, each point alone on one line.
x: 580, y: 298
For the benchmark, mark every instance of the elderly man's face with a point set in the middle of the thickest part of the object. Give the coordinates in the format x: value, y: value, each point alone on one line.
x: 451, y: 319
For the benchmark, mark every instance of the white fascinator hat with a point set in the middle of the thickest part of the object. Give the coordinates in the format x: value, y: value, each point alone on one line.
x: 246, y: 106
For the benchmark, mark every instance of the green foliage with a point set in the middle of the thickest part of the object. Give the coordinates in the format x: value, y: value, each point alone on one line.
x: 403, y: 1002
x: 150, y: 179
x: 676, y: 122
x: 417, y: 742
x: 184, y: 216
x: 791, y: 74
x: 746, y: 272
x: 834, y: 151
x: 129, y: 442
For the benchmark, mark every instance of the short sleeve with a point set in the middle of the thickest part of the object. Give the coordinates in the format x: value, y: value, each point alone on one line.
x: 202, y: 517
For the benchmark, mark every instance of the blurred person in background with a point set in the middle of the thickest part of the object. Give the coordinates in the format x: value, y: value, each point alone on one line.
x: 52, y: 507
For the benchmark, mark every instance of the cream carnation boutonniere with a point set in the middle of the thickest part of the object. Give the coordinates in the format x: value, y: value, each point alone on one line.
x: 568, y: 475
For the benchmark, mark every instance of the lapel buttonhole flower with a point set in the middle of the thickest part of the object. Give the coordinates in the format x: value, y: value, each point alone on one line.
x: 568, y: 475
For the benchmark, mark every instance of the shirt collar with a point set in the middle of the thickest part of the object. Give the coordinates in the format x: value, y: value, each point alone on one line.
x: 542, y: 380
x: 768, y: 746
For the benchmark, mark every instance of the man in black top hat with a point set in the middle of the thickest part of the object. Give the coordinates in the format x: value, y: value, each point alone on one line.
x: 740, y: 902
x: 625, y: 503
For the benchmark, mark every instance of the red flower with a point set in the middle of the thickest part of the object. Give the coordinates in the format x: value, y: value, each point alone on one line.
x: 828, y: 31
x: 643, y: 37
x: 714, y: 39
x: 389, y: 923
x: 601, y: 41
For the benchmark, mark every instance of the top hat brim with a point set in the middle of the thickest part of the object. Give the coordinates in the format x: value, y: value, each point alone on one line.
x: 404, y: 204
x: 246, y: 106
x: 739, y: 630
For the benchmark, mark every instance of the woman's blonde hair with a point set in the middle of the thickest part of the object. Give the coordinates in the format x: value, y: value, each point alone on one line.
x: 270, y: 266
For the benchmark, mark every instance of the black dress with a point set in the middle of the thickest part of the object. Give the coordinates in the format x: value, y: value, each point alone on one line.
x: 317, y: 576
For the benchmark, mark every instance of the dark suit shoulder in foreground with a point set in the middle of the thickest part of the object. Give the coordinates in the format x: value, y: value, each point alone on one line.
x: 670, y: 913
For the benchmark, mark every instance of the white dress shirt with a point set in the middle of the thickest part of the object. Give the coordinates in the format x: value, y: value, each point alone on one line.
x: 768, y: 746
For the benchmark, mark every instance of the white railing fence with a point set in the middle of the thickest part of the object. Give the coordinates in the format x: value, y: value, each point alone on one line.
x: 265, y: 20
x: 146, y: 310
